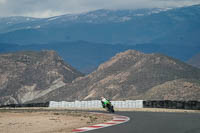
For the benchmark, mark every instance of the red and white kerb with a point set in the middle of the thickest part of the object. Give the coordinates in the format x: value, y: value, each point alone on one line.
x: 117, y: 119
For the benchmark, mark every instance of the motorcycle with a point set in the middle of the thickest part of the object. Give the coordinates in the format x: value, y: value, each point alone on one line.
x: 109, y: 107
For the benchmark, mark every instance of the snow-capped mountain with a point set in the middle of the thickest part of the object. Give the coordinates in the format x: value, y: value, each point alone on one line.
x: 16, y: 20
x: 9, y: 23
x: 82, y: 38
x: 94, y: 17
x: 109, y: 26
x: 105, y: 16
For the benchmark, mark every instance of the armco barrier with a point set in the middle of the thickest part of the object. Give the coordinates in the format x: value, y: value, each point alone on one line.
x: 97, y: 104
x: 26, y: 105
x: 194, y: 105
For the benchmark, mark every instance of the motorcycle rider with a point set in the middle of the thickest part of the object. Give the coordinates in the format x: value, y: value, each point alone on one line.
x: 104, y: 102
x: 107, y: 104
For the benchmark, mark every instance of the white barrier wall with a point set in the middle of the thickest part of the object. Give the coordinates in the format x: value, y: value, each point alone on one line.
x: 96, y: 104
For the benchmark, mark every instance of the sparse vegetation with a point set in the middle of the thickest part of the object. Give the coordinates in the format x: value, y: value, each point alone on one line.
x: 46, y: 120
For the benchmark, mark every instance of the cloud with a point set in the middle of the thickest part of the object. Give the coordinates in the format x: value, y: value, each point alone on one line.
x: 2, y: 1
x: 47, y: 8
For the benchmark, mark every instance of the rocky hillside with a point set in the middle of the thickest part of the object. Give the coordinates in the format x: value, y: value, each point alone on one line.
x: 180, y: 89
x: 195, y: 61
x: 25, y: 76
x: 134, y: 75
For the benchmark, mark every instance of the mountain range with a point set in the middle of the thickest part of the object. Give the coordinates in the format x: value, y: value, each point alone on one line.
x: 28, y: 76
x: 134, y: 75
x: 161, y: 26
x: 82, y: 38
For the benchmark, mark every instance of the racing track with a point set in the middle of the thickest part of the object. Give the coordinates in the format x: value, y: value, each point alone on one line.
x: 155, y: 122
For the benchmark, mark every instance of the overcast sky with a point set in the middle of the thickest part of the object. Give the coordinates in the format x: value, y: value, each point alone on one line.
x: 48, y: 8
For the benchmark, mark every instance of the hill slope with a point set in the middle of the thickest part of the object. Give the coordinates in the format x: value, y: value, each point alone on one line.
x: 133, y: 75
x: 181, y: 89
x: 27, y: 75
x: 195, y: 61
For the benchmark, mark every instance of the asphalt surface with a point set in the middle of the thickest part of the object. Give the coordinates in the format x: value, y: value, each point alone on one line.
x: 156, y: 122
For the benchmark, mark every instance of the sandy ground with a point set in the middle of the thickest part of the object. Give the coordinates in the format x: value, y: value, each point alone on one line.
x: 39, y: 121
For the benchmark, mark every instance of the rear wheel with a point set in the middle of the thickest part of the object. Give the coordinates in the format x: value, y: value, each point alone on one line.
x: 110, y: 108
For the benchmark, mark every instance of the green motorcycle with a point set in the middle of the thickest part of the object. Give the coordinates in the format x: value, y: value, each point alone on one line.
x: 108, y: 106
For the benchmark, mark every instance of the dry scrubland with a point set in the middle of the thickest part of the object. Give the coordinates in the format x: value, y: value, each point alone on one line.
x: 45, y: 121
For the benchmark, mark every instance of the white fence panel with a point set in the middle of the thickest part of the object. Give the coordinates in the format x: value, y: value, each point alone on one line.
x: 96, y: 104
